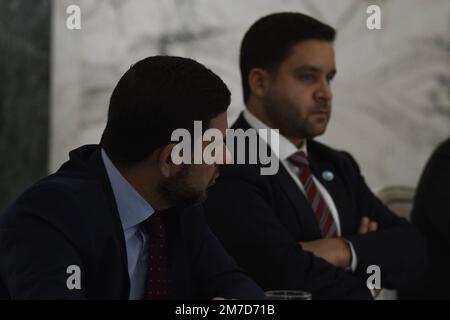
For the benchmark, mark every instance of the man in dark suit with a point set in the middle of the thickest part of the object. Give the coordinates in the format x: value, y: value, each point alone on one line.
x: 121, y: 220
x: 314, y: 225
x: 431, y: 215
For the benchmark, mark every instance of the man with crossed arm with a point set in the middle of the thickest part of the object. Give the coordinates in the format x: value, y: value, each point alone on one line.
x: 315, y: 225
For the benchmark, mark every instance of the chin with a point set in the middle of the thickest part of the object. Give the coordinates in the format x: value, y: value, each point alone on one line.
x: 318, y: 129
x: 190, y: 200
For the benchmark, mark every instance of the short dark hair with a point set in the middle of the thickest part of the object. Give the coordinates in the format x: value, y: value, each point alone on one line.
x: 269, y: 40
x: 153, y: 98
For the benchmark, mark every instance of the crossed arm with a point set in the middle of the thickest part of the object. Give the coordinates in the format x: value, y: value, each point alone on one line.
x: 337, y: 250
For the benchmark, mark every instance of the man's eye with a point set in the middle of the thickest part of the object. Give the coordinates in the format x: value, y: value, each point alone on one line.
x: 307, y: 77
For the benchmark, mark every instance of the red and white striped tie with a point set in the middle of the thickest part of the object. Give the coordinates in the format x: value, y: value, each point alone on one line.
x: 323, y: 215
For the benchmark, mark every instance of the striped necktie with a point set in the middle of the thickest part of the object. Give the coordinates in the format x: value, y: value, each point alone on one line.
x: 321, y: 210
x: 156, y: 287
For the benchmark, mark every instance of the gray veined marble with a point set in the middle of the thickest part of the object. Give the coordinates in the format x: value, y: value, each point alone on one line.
x: 391, y: 93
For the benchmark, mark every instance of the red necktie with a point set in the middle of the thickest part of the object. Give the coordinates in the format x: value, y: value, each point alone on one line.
x: 156, y: 287
x: 322, y: 212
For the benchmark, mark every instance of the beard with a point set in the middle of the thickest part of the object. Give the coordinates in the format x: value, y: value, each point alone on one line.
x: 288, y: 118
x: 177, y: 191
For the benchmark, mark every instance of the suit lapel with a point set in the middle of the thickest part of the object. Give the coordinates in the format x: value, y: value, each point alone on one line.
x: 304, y: 212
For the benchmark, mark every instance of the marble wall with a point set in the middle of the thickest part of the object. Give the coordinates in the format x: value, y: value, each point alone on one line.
x: 392, y: 92
x: 24, y: 94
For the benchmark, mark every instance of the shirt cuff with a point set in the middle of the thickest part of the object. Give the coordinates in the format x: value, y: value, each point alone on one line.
x: 354, y: 259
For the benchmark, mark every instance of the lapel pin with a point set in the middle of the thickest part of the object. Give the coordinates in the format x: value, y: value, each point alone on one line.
x: 327, y: 175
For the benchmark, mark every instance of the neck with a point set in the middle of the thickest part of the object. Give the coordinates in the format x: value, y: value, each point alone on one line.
x: 145, y: 183
x: 259, y: 112
x: 298, y: 142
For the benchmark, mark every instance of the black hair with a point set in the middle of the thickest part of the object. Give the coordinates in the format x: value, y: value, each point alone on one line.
x: 153, y: 98
x: 269, y: 40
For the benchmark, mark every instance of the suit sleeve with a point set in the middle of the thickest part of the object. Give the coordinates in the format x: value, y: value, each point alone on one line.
x: 397, y: 247
x: 35, y: 253
x: 242, y: 219
x: 218, y: 273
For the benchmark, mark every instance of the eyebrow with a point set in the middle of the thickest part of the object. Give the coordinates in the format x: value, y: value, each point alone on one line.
x: 314, y: 69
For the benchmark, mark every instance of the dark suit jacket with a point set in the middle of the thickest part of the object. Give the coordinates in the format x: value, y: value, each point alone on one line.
x: 71, y: 218
x: 260, y: 220
x: 431, y: 214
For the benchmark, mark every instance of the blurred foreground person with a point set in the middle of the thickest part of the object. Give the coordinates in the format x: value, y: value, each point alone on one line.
x: 431, y: 215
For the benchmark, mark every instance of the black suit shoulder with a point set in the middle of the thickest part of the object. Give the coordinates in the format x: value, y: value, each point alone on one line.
x: 65, y: 202
x: 431, y: 215
x: 49, y: 200
x: 432, y: 191
x: 341, y: 158
x: 61, y: 220
x: 38, y: 231
x: 443, y: 149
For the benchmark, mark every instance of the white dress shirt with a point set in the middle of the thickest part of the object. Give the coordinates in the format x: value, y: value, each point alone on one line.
x: 287, y: 149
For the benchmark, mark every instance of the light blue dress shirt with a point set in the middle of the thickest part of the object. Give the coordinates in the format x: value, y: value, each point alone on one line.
x: 133, y: 210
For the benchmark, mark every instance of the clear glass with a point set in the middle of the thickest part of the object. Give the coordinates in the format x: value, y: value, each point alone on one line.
x: 287, y: 295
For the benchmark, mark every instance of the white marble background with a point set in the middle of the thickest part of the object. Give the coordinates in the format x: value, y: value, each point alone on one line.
x: 392, y: 92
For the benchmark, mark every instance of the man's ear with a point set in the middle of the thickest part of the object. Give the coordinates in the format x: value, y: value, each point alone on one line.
x: 165, y: 163
x: 258, y: 80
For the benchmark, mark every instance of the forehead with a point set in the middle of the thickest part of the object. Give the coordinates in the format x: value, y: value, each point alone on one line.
x: 311, y: 53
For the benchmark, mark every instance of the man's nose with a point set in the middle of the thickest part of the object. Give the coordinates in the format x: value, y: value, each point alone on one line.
x: 324, y: 92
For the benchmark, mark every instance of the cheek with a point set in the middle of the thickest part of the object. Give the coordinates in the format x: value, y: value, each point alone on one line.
x: 295, y: 93
x: 303, y: 95
x: 299, y: 103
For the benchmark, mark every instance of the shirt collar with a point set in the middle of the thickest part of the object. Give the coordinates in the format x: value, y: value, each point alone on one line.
x: 286, y: 148
x: 133, y: 208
